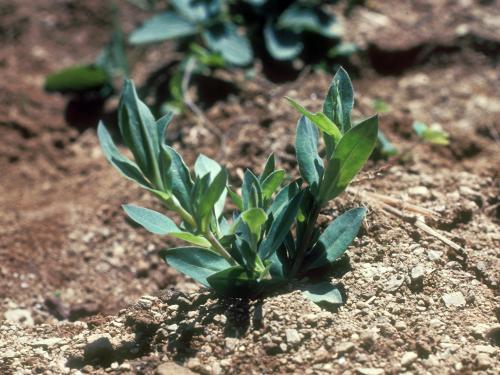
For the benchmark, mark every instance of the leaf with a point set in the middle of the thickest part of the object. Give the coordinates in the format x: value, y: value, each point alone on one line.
x: 181, y: 179
x: 205, y: 165
x: 235, y: 281
x: 213, y: 194
x: 76, y: 79
x: 343, y: 49
x: 224, y: 38
x: 306, y: 150
x: 250, y: 190
x: 435, y: 136
x: 283, y: 197
x: 139, y: 132
x: 350, y: 155
x: 235, y: 198
x: 300, y: 18
x: 162, y: 126
x: 336, y: 238
x: 269, y: 167
x: 339, y: 100
x: 125, y: 166
x: 323, y: 293
x: 197, y: 10
x: 164, y: 26
x: 254, y: 218
x: 272, y: 182
x: 280, y: 227
x: 386, y: 147
x: 195, y: 262
x: 282, y: 44
x: 319, y: 119
x: 151, y: 220
x: 112, y: 58
x: 191, y: 238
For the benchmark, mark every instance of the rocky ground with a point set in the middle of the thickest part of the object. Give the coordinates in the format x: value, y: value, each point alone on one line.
x: 83, y: 291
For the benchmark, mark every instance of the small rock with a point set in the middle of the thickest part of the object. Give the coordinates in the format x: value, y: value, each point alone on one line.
x: 345, y: 347
x: 417, y: 272
x: 9, y: 354
x: 418, y: 191
x: 408, y: 358
x: 292, y: 336
x: 483, y: 361
x: 433, y: 255
x: 231, y: 343
x: 20, y: 316
x: 48, y: 343
x: 321, y: 355
x: 370, y: 371
x: 400, y: 326
x: 488, y: 349
x: 394, y: 283
x: 99, y: 348
x: 454, y: 299
x: 172, y: 368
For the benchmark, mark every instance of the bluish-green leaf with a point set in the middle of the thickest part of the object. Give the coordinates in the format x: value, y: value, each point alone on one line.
x: 251, y: 190
x: 195, y: 262
x: 164, y: 26
x: 181, y: 179
x: 285, y: 195
x: 336, y: 238
x: 235, y: 198
x: 213, y: 194
x: 162, y: 126
x: 306, y: 150
x: 282, y: 44
x: 280, y: 227
x: 386, y: 147
x: 125, y: 166
x: 272, y: 183
x: 151, y: 220
x: 300, y: 18
x: 205, y: 165
x: 319, y: 119
x: 225, y: 39
x: 339, y: 100
x: 269, y: 167
x: 350, y: 155
x: 140, y: 133
x: 323, y: 293
x: 197, y: 10
x: 77, y: 78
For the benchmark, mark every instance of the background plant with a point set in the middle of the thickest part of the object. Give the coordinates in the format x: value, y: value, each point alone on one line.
x: 272, y: 238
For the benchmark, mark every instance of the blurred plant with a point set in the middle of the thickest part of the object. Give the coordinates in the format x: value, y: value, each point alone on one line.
x: 435, y: 134
x: 272, y: 238
x: 385, y: 147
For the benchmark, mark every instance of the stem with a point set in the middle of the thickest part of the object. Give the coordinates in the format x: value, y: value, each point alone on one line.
x: 218, y: 247
x: 306, y: 239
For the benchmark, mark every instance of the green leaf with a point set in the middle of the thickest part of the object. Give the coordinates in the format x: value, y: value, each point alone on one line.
x: 77, y: 79
x: 191, y: 238
x: 235, y: 281
x: 195, y: 262
x: 272, y: 182
x: 235, y: 198
x: 350, y: 155
x: 213, y: 194
x: 164, y: 26
x: 113, y: 59
x: 254, y: 218
x: 280, y: 227
x: 204, y: 165
x: 306, y: 150
x: 335, y: 240
x: 125, y: 166
x: 140, y: 133
x: 251, y: 190
x: 343, y: 49
x: 225, y: 39
x: 386, y: 147
x: 282, y: 44
x: 151, y: 220
x: 300, y: 18
x: 323, y: 293
x: 181, y: 179
x: 269, y: 167
x: 283, y: 197
x: 319, y: 119
x: 162, y: 126
x: 340, y: 100
x: 197, y: 11
x: 435, y: 136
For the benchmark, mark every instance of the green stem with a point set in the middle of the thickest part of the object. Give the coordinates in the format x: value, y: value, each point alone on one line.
x: 306, y: 239
x: 218, y: 247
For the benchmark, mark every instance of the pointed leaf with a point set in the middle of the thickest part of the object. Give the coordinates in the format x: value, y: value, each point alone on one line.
x: 268, y: 168
x: 282, y: 44
x: 336, y: 238
x: 77, y: 78
x: 151, y: 220
x: 254, y: 218
x: 350, y: 155
x: 195, y: 262
x: 306, y: 150
x: 340, y: 100
x: 164, y: 26
x: 213, y: 193
x: 181, y: 179
x: 323, y: 293
x: 191, y: 238
x: 272, y: 182
x: 225, y: 39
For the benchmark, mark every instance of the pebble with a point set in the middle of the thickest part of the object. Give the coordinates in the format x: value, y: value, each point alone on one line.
x: 48, y: 343
x: 433, y: 255
x: 408, y: 358
x: 483, y: 361
x: 231, y: 343
x: 418, y: 191
x: 20, y: 316
x: 400, y: 326
x: 394, y: 283
x: 172, y: 368
x: 417, y: 272
x: 485, y: 349
x: 454, y: 299
x: 292, y: 336
x: 345, y: 347
x: 370, y: 371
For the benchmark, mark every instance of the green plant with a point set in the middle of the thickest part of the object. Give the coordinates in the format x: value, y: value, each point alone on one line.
x: 435, y: 135
x: 272, y: 238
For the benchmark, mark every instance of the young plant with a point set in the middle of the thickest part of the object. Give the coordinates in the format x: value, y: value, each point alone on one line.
x: 272, y: 238
x: 435, y: 135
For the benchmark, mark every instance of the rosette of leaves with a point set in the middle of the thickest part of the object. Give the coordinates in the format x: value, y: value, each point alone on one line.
x: 272, y: 238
